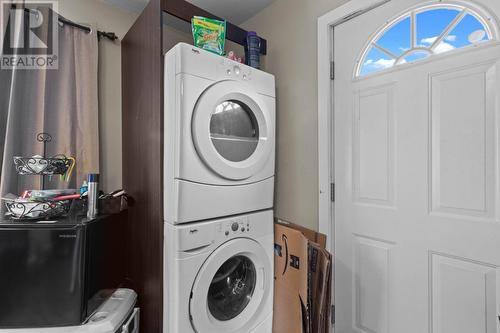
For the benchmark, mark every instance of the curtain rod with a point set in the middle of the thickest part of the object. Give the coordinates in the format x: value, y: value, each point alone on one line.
x: 100, y: 34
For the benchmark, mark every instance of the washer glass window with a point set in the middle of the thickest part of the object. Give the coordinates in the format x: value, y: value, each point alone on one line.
x: 234, y: 130
x: 232, y: 288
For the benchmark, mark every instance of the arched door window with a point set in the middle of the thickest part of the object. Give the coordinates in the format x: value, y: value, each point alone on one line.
x: 424, y: 32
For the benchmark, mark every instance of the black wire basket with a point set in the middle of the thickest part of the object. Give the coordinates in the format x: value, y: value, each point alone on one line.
x: 35, y: 210
x: 57, y: 165
x: 38, y: 209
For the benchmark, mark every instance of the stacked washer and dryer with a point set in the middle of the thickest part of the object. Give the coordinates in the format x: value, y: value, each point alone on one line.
x: 219, y: 190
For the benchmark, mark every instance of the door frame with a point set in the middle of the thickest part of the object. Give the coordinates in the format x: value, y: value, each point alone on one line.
x: 326, y: 144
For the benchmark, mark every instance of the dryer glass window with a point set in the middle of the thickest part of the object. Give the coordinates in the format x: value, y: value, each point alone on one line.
x: 232, y: 288
x: 234, y: 130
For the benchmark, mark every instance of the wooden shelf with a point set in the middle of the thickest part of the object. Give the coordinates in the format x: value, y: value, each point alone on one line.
x: 185, y: 11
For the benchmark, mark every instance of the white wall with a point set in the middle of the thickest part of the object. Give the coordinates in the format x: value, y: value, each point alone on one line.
x: 113, y: 19
x: 290, y: 27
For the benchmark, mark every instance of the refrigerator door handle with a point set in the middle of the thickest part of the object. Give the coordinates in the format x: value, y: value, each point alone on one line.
x: 134, y: 318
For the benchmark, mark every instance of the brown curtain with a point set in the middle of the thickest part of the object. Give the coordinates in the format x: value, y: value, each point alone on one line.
x: 62, y: 102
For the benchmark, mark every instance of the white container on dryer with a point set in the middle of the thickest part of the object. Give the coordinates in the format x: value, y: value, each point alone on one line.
x: 219, y: 275
x: 219, y: 136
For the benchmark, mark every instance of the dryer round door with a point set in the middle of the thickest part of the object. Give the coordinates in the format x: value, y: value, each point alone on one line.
x: 232, y: 130
x: 231, y: 288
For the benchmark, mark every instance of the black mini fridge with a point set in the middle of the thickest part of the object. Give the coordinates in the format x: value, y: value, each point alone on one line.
x: 58, y: 273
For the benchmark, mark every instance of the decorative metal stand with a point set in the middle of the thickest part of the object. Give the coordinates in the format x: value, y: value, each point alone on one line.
x: 43, y: 166
x: 40, y: 166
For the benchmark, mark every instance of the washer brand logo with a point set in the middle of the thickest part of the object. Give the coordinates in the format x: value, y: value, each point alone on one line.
x: 67, y: 236
x: 29, y: 32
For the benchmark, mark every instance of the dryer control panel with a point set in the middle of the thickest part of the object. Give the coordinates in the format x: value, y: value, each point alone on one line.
x: 188, y: 59
x: 234, y: 70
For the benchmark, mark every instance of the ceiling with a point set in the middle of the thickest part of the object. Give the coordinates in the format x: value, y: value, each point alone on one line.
x: 235, y: 11
x: 134, y: 6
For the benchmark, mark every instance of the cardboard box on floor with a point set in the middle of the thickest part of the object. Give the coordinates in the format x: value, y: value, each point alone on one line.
x: 302, y: 290
x: 321, y: 318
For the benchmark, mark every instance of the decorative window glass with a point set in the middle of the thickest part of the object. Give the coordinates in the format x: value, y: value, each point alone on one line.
x: 424, y: 32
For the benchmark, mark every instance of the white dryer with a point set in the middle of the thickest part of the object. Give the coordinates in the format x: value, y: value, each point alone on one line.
x: 219, y: 136
x: 218, y: 275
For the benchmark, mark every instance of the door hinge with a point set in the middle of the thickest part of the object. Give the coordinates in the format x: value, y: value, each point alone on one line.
x: 332, y: 192
x: 332, y: 70
x: 332, y: 319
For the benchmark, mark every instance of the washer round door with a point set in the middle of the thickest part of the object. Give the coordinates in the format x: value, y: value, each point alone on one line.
x: 230, y: 288
x: 232, y: 130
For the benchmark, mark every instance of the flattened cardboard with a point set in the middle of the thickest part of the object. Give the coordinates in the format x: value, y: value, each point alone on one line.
x: 320, y: 272
x: 291, y: 308
x: 325, y: 301
x: 325, y: 319
x: 302, y: 275
x: 311, y: 235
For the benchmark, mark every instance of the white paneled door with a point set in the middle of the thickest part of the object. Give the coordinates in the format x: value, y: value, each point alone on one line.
x: 417, y: 211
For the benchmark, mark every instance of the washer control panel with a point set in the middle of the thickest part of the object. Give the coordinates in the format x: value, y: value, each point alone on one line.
x: 236, y: 226
x: 200, y: 237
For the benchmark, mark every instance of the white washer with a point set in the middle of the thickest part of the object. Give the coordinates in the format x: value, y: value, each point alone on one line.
x: 219, y: 136
x: 218, y: 275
